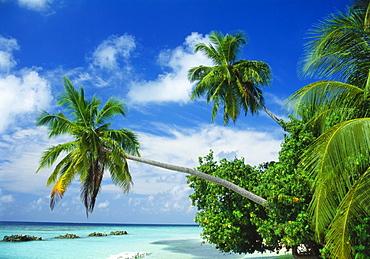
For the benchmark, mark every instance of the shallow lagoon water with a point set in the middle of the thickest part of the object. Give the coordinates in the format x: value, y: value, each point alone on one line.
x: 161, y: 241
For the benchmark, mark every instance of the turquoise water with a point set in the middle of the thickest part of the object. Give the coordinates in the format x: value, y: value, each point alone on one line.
x: 161, y: 241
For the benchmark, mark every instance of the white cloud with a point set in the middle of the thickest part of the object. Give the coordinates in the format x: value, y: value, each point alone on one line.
x: 7, y: 198
x: 111, y: 52
x: 20, y: 152
x: 6, y: 61
x: 172, y: 86
x: 36, y: 5
x: 22, y: 95
x: 7, y: 46
x: 37, y: 205
x: 176, y: 199
x: 102, y: 205
x: 185, y: 145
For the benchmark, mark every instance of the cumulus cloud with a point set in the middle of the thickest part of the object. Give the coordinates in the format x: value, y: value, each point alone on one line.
x: 6, y: 198
x: 37, y: 205
x: 113, y: 51
x: 185, y: 145
x: 36, y: 5
x: 19, y: 95
x: 103, y: 205
x: 171, y: 86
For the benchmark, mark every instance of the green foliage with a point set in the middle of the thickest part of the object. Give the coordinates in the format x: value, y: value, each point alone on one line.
x: 362, y: 239
x: 235, y: 224
x: 225, y: 215
x: 287, y: 190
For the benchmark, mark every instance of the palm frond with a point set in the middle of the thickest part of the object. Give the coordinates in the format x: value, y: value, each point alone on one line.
x: 126, y: 139
x: 256, y: 72
x: 59, y: 169
x: 335, y: 160
x: 231, y: 46
x: 61, y: 185
x: 50, y: 155
x: 75, y: 102
x: 321, y: 96
x: 58, y: 124
x: 340, y: 48
x: 209, y: 51
x: 92, y: 184
x: 119, y: 170
x: 110, y: 109
x: 353, y: 208
x: 57, y: 193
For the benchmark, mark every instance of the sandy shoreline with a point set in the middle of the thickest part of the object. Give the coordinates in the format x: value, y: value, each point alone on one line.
x: 136, y: 255
x: 128, y: 255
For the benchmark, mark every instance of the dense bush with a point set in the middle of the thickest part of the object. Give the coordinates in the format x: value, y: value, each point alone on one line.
x: 235, y: 224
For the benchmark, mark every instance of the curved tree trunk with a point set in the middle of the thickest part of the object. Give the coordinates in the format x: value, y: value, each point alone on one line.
x: 251, y: 196
x: 269, y: 113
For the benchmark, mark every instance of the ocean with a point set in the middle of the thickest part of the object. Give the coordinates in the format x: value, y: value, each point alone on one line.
x: 160, y: 241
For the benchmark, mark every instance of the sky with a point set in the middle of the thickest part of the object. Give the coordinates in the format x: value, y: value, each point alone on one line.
x: 138, y: 51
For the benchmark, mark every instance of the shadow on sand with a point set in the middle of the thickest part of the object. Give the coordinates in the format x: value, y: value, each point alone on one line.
x: 197, y: 250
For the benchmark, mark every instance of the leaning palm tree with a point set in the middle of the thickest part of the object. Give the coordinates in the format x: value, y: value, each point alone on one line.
x: 231, y: 83
x: 95, y: 147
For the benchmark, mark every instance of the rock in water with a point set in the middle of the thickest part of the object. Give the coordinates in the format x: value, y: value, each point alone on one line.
x: 97, y: 234
x: 119, y: 232
x: 68, y: 235
x: 21, y: 238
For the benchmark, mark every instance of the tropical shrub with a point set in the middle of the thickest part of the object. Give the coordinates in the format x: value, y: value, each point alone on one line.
x: 235, y: 224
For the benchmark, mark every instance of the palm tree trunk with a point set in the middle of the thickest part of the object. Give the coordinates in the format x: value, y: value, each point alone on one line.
x: 269, y: 113
x: 251, y: 196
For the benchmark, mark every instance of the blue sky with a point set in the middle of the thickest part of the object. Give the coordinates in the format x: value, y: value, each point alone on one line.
x: 138, y: 51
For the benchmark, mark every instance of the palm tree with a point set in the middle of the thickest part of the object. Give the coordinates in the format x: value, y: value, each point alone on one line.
x: 339, y: 112
x: 340, y: 48
x: 230, y: 82
x: 95, y: 147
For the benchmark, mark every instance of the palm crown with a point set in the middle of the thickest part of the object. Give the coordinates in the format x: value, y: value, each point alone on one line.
x: 340, y: 47
x: 230, y: 82
x: 94, y: 149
